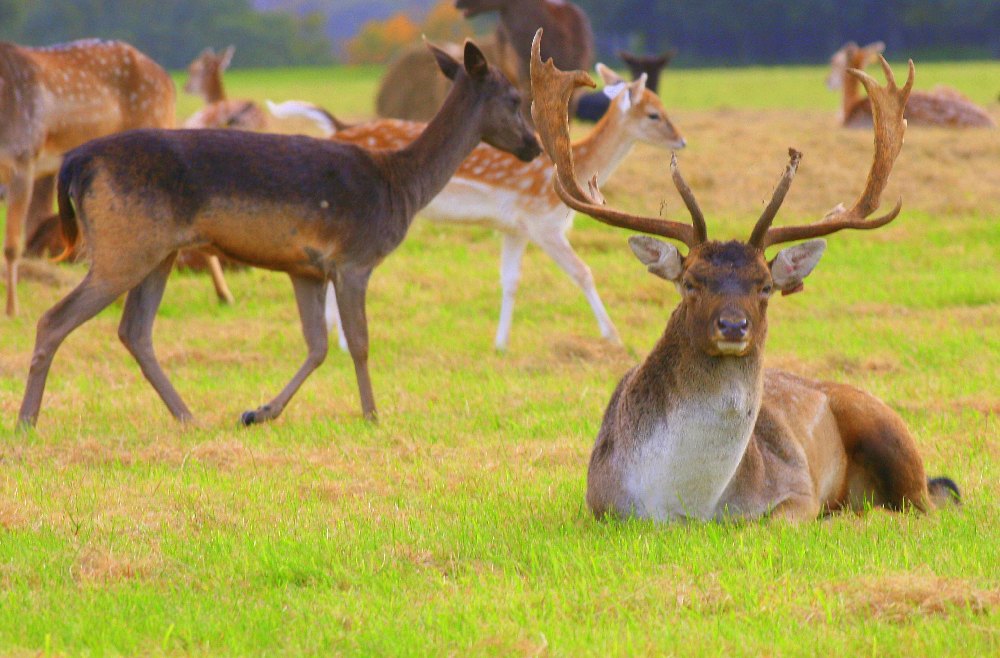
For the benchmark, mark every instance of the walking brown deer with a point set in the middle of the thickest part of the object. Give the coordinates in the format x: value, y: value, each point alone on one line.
x: 52, y: 99
x: 317, y: 209
x: 495, y: 189
x: 700, y: 429
x: 942, y: 106
x: 205, y: 80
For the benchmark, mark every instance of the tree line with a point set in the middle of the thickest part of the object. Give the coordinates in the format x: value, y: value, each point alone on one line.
x: 173, y: 32
x: 712, y: 32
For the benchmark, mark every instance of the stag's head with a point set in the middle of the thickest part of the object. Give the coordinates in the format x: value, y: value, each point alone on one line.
x: 647, y: 118
x: 851, y: 56
x: 725, y: 286
x: 501, y: 122
x: 206, y: 68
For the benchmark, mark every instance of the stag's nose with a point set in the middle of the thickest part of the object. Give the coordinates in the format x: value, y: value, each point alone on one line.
x: 733, y: 328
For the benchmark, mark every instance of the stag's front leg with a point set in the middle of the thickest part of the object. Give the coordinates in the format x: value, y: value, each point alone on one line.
x: 18, y: 200
x: 309, y: 295
x: 351, y: 286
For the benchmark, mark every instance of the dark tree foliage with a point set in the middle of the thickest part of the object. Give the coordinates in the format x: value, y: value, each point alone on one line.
x: 789, y: 31
x: 173, y: 32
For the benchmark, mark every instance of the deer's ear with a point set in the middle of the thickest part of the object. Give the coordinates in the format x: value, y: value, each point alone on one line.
x: 637, y: 88
x: 475, y: 62
x: 660, y: 258
x: 227, y: 57
x: 792, y: 265
x: 607, y: 75
x: 448, y: 64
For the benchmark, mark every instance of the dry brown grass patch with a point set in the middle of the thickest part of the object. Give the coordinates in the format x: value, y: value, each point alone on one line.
x: 900, y: 597
x: 100, y: 566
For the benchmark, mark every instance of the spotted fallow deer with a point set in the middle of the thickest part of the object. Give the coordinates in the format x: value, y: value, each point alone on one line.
x: 942, y: 106
x: 591, y: 106
x: 317, y: 209
x: 205, y: 80
x: 495, y: 189
x: 700, y: 429
x: 53, y: 99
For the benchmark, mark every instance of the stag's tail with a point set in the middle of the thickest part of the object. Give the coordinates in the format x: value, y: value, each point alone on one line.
x: 944, y: 491
x: 68, y: 188
x: 301, y: 109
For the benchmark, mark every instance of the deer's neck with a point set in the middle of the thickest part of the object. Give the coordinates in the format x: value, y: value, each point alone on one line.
x: 697, y: 426
x: 425, y: 166
x: 521, y: 19
x: 604, y: 148
x: 852, y: 92
x: 212, y: 89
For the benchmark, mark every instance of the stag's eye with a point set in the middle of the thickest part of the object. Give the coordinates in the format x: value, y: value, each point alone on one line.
x: 689, y: 286
x: 654, y: 116
x: 766, y: 290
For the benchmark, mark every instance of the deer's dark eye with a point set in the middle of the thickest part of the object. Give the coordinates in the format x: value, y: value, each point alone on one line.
x: 766, y: 290
x: 689, y: 287
x: 654, y: 116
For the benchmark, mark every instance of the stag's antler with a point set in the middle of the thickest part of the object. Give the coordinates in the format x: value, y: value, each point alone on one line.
x: 887, y: 103
x: 551, y: 90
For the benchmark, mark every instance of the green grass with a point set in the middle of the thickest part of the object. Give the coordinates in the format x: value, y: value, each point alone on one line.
x: 457, y: 525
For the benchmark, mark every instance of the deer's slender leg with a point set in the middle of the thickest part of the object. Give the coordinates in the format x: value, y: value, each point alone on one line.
x: 351, y: 286
x: 219, y: 280
x: 309, y: 295
x: 510, y: 274
x: 333, y: 316
x: 136, y: 332
x: 86, y: 300
x: 18, y: 199
x: 559, y: 249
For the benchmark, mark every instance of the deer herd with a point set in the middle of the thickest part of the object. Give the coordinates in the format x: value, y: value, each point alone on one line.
x: 700, y: 429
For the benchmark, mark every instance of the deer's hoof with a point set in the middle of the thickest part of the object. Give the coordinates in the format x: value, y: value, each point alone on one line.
x: 248, y: 418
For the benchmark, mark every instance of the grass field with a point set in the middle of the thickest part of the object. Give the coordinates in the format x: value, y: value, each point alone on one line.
x: 457, y: 525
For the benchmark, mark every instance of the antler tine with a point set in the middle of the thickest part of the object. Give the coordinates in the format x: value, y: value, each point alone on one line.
x: 888, y: 103
x: 697, y: 218
x: 551, y: 90
x: 763, y: 224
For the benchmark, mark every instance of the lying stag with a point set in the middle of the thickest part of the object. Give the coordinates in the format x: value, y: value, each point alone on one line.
x: 701, y: 429
x: 316, y: 209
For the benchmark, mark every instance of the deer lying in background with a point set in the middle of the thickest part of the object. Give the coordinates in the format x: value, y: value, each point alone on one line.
x: 52, y: 99
x: 317, y: 209
x: 591, y: 106
x: 495, y: 189
x: 941, y: 107
x: 700, y: 429
x: 205, y: 80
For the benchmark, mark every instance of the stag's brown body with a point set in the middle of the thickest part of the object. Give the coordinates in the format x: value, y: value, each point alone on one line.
x: 700, y: 429
x: 317, y: 209
x: 53, y: 99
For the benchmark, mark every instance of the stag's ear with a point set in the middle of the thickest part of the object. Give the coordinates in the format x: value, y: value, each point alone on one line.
x: 448, y: 64
x: 660, y: 258
x: 794, y: 264
x: 475, y: 62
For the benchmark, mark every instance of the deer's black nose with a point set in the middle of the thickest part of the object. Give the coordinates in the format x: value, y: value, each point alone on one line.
x: 733, y: 328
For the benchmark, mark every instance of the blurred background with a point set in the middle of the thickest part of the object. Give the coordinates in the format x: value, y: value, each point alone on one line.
x: 706, y: 32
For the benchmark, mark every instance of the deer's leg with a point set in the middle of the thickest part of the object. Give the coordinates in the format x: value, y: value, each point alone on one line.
x: 559, y: 249
x: 18, y: 199
x: 510, y: 274
x: 40, y: 220
x: 351, y: 286
x: 333, y: 316
x: 309, y: 295
x: 83, y: 303
x: 218, y: 280
x: 136, y: 332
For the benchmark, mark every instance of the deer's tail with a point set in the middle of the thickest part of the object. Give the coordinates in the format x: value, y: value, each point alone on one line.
x: 68, y: 191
